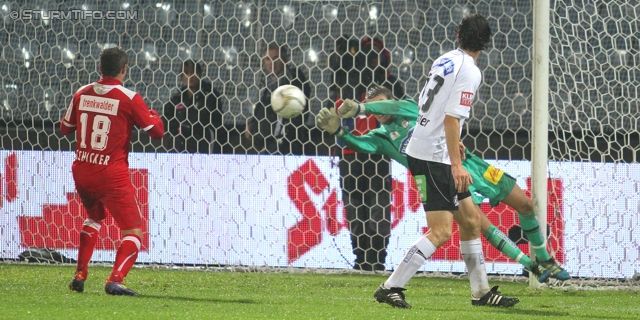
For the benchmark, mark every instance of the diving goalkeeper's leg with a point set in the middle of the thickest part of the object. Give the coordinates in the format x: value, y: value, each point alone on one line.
x: 530, y: 226
x: 501, y: 241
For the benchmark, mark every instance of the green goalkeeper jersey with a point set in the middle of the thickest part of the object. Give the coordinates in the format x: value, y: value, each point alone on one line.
x: 391, y: 140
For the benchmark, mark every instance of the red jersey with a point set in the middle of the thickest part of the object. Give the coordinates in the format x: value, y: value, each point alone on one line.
x: 104, y: 113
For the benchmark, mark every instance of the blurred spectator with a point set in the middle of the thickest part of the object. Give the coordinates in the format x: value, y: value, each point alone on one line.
x: 378, y: 61
x: 192, y: 117
x: 271, y: 133
x: 365, y: 178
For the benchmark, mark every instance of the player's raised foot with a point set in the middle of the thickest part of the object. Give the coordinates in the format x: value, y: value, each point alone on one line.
x: 118, y: 289
x: 541, y: 274
x: 393, y: 297
x: 493, y: 298
x: 557, y: 271
x: 77, y: 285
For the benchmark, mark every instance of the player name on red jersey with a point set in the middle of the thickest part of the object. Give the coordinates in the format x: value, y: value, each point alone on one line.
x: 99, y: 104
x: 91, y: 157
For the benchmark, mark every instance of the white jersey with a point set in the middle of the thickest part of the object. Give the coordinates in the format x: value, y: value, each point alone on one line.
x: 450, y: 89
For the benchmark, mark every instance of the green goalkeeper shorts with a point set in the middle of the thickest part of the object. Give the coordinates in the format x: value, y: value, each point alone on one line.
x: 488, y: 181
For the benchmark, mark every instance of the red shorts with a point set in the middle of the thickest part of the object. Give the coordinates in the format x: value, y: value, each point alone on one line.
x: 111, y: 190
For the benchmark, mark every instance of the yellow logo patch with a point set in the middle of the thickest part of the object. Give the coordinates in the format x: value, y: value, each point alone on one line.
x: 493, y: 174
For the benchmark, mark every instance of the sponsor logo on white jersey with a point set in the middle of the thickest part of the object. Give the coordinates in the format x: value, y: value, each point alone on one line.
x: 466, y: 98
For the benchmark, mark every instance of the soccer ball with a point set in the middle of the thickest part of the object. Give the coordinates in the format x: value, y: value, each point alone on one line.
x: 288, y: 101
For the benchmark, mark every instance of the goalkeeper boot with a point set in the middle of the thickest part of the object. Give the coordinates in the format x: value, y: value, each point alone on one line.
x: 493, y: 298
x: 542, y: 274
x: 393, y: 297
x: 118, y: 289
x: 557, y: 272
x: 77, y: 284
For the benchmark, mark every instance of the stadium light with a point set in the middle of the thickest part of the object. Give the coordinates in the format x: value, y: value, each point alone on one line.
x: 89, y: 18
x: 312, y: 55
x: 230, y: 57
x: 27, y: 57
x: 373, y: 13
x: 288, y: 16
x: 48, y: 99
x: 106, y: 45
x: 243, y: 12
x: 150, y: 55
x: 330, y: 12
x: 185, y: 52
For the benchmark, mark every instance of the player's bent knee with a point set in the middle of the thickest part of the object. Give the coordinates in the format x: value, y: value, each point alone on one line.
x: 527, y: 207
x: 136, y: 231
x: 438, y: 236
x: 92, y: 224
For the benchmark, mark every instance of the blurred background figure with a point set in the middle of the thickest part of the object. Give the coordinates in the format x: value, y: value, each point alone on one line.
x: 192, y: 115
x: 378, y: 61
x: 271, y: 133
x: 365, y: 178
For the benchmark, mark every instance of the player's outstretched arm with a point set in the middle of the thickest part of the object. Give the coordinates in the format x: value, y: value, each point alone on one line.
x: 157, y: 129
x: 399, y: 108
x: 350, y: 108
x: 328, y: 121
x: 148, y: 120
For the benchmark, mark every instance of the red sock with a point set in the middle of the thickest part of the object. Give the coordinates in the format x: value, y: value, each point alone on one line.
x: 125, y: 258
x: 88, y: 238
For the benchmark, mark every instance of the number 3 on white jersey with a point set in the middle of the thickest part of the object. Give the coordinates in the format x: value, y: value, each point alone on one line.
x: 429, y: 92
x: 101, y: 125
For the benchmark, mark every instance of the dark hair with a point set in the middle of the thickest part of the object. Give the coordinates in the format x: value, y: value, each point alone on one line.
x: 189, y: 66
x: 283, y: 51
x: 112, y: 60
x: 474, y: 33
x: 376, y: 90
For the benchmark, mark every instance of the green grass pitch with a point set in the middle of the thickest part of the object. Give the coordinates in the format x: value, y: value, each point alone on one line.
x: 41, y: 292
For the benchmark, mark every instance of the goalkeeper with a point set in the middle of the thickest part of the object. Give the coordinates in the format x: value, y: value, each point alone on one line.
x: 398, y: 117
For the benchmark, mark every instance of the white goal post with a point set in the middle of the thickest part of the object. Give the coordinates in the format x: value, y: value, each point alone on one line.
x: 540, y: 116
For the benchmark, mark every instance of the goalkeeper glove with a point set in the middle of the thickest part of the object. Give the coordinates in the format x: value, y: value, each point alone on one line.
x: 350, y: 109
x: 328, y: 121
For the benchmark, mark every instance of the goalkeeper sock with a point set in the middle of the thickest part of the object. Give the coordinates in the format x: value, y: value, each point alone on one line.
x: 88, y: 238
x: 125, y: 258
x: 531, y: 228
x: 474, y: 260
x: 501, y: 242
x: 413, y: 260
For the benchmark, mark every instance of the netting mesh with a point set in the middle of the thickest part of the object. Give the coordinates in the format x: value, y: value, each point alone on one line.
x: 593, y: 117
x: 238, y: 206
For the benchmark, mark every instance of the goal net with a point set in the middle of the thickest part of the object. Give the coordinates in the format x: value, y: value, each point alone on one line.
x: 215, y: 193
